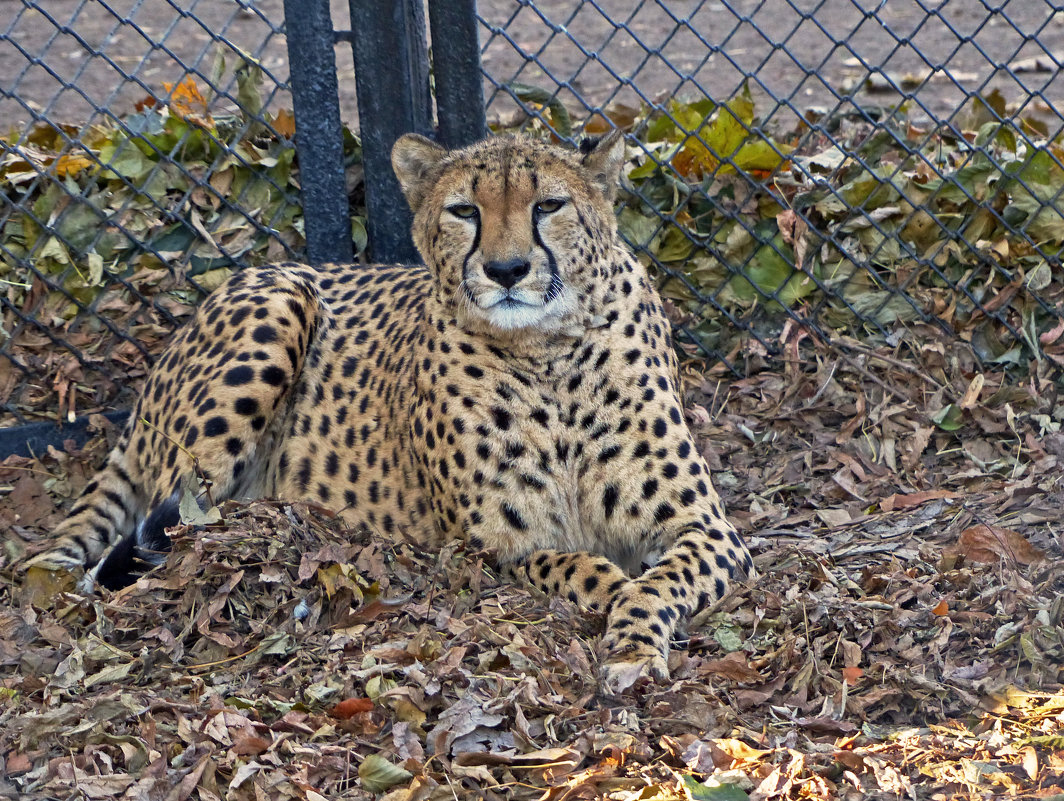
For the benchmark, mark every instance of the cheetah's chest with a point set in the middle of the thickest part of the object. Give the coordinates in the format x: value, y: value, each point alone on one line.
x: 552, y: 451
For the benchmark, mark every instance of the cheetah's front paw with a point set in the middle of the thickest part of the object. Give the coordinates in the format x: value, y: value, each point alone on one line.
x: 625, y: 665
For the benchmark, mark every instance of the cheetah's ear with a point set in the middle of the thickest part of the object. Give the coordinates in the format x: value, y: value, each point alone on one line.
x: 604, y: 162
x: 416, y: 161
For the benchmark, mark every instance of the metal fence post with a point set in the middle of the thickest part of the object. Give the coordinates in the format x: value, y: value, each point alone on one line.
x: 456, y: 72
x: 319, y: 135
x: 392, y: 81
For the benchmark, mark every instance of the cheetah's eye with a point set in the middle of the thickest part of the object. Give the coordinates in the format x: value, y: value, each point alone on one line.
x: 549, y: 206
x: 467, y: 211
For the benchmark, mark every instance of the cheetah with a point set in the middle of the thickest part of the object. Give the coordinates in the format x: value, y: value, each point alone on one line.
x: 520, y: 391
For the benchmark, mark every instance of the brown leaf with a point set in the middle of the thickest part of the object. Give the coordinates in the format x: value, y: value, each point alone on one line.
x: 618, y: 115
x: 1051, y: 336
x: 825, y: 725
x: 793, y: 229
x: 990, y: 544
x: 41, y: 585
x: 27, y: 504
x: 545, y: 757
x: 734, y: 666
x: 17, y: 763
x: 971, y: 395
x: 350, y: 707
x: 373, y: 610
x: 183, y: 789
x: 852, y: 674
x: 247, y: 743
x: 912, y: 499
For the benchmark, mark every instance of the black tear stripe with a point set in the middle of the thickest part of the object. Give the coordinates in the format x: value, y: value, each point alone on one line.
x: 469, y: 255
x: 556, y: 285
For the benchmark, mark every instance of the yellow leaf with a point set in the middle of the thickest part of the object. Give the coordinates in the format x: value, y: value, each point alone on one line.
x: 187, y: 102
x: 284, y: 123
x: 71, y: 164
x: 328, y: 577
x: 42, y: 584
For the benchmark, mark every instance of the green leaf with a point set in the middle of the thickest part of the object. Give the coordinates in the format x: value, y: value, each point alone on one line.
x: 378, y: 685
x: 212, y: 279
x: 637, y: 229
x: 760, y: 154
x: 674, y: 246
x: 984, y: 109
x: 731, y: 127
x: 949, y: 418
x: 54, y: 250
x: 882, y: 307
x: 249, y: 80
x: 359, y: 237
x: 679, y: 121
x: 1039, y: 276
x: 729, y: 638
x: 713, y: 792
x: 95, y: 277
x: 970, y: 181
x: 123, y: 159
x: 175, y: 239
x: 767, y: 275
x: 378, y: 774
x: 652, y: 165
x: 559, y: 115
x: 79, y: 225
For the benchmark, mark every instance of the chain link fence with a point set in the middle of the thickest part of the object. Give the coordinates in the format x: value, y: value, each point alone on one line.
x: 889, y: 172
x: 146, y: 150
x: 865, y: 173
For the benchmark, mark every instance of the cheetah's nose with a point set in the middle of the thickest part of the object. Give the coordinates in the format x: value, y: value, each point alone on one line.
x: 507, y: 273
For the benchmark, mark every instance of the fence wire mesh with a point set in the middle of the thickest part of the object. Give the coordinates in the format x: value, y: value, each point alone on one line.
x: 886, y: 171
x: 860, y: 172
x: 145, y: 151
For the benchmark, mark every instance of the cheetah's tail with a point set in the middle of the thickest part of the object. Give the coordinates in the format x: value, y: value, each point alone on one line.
x: 113, y: 517
x: 140, y: 550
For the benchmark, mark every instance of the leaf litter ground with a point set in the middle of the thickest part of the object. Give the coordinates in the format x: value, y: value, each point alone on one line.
x: 904, y: 637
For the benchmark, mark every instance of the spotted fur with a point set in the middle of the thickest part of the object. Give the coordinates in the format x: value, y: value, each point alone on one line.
x: 520, y: 392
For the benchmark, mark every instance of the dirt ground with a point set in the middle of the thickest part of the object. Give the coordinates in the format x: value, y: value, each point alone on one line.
x: 65, y: 58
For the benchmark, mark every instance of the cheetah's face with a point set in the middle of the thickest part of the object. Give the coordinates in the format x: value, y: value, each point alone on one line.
x: 516, y: 235
x: 511, y: 227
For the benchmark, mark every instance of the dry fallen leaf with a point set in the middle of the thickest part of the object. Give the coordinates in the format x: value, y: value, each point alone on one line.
x: 910, y: 500
x: 734, y: 666
x: 350, y: 707
x: 852, y: 674
x: 986, y: 543
x: 40, y: 585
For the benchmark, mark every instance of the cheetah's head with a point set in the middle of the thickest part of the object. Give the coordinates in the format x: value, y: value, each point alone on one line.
x: 518, y: 233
